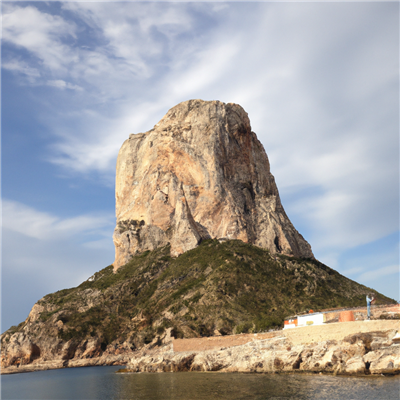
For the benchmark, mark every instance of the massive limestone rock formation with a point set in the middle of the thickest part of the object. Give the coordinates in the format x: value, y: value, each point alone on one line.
x: 199, y: 173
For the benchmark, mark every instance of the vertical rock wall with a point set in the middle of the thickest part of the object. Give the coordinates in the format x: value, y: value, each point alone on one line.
x: 199, y: 173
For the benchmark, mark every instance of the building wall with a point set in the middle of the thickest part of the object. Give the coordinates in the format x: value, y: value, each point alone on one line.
x: 310, y: 319
x: 290, y: 323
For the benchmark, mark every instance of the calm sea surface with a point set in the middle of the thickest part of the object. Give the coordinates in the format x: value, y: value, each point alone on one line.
x: 103, y: 383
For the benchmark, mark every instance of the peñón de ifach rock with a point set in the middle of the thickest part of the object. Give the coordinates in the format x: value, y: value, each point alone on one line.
x: 200, y: 173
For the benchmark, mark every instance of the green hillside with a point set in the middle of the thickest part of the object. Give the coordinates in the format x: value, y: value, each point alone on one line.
x: 231, y: 287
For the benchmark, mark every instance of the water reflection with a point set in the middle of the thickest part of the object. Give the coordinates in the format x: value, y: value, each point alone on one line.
x: 102, y: 383
x: 198, y: 386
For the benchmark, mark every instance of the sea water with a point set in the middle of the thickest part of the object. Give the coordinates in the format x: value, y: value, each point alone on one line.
x: 103, y: 383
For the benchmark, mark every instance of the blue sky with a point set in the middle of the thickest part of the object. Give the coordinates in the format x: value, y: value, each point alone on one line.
x: 320, y: 82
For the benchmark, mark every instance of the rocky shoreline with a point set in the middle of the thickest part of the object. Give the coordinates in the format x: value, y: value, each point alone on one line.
x: 74, y: 363
x: 349, y: 348
x: 353, y: 348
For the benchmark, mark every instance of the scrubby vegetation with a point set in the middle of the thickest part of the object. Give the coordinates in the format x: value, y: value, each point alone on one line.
x: 229, y: 287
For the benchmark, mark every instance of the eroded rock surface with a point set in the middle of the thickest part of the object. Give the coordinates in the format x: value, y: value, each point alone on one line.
x: 351, y: 356
x: 199, y: 173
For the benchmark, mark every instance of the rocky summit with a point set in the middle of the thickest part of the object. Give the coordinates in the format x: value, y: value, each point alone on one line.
x: 200, y: 173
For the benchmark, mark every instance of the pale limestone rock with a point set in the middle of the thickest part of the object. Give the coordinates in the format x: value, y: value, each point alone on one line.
x: 68, y: 350
x: 277, y: 354
x: 185, y: 234
x: 20, y: 350
x: 59, y: 325
x: 167, y: 337
x: 396, y: 338
x: 352, y: 356
x: 199, y: 173
x: 385, y: 360
x: 355, y: 366
x: 89, y: 297
x: 92, y: 348
x: 86, y: 349
x: 36, y: 310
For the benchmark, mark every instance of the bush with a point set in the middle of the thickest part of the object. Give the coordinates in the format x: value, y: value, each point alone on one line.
x: 243, y: 328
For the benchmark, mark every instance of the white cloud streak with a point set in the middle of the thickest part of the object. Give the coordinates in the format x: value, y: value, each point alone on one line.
x: 40, y: 225
x: 41, y: 33
x: 60, y: 84
x: 370, y: 276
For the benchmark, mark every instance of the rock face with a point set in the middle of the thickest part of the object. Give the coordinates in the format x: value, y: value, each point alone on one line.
x: 199, y: 173
x: 36, y: 343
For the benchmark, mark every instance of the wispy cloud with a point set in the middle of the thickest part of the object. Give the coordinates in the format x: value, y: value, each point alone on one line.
x: 40, y: 33
x: 60, y: 84
x: 21, y: 67
x: 370, y: 276
x: 36, y: 224
x: 42, y: 253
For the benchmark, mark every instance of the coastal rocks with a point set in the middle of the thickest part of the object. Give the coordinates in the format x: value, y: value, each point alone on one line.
x: 38, y: 346
x: 21, y: 350
x: 68, y: 350
x: 92, y: 348
x: 331, y: 356
x: 277, y: 354
x: 82, y: 349
x: 166, y: 362
x: 383, y: 361
x: 352, y: 348
x: 22, y: 355
x: 44, y: 365
x: 356, y: 366
x: 199, y: 173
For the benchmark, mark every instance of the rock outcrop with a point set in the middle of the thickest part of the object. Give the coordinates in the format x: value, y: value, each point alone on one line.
x: 37, y: 343
x: 199, y: 173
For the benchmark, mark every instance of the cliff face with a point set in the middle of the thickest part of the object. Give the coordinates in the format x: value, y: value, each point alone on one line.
x: 199, y: 173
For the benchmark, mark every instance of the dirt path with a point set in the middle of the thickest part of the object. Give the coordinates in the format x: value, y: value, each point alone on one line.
x: 307, y: 334
x: 208, y: 343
